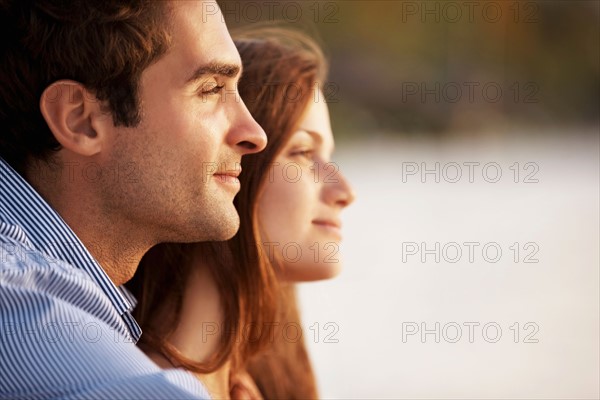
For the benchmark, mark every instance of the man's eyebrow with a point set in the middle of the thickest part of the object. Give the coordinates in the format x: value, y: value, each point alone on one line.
x: 227, y: 70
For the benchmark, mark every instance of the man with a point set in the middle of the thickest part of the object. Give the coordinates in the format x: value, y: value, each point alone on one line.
x: 120, y: 128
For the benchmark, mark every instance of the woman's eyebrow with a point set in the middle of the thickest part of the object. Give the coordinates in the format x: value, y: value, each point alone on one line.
x: 317, y: 137
x: 314, y: 134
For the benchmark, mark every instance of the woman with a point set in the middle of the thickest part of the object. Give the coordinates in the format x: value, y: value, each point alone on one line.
x: 211, y: 307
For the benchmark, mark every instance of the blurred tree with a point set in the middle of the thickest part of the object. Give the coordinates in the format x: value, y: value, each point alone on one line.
x: 433, y: 67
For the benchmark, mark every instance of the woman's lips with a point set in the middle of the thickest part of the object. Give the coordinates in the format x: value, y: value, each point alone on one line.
x: 328, y: 222
x: 329, y: 225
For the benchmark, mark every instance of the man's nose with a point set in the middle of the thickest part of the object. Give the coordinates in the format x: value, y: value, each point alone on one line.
x: 246, y: 135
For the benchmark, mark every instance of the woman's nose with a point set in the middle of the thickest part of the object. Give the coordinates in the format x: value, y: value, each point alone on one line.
x: 339, y: 191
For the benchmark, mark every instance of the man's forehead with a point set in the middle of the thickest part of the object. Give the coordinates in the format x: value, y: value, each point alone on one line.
x: 202, y: 41
x: 192, y: 16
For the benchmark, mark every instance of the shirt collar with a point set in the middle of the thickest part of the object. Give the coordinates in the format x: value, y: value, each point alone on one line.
x: 37, y: 225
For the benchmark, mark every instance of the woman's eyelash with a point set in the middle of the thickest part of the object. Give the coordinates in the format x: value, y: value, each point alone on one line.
x: 304, y: 153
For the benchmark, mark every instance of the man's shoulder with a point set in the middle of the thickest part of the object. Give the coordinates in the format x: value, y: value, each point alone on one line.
x: 60, y: 336
x: 31, y: 273
x: 16, y: 257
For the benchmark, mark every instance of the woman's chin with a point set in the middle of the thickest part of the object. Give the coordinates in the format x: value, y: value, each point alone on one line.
x: 310, y: 273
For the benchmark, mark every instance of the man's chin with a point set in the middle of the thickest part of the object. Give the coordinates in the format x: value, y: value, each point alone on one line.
x: 227, y: 228
x: 206, y: 229
x: 230, y: 233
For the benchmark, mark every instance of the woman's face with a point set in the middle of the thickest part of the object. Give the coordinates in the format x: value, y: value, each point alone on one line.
x: 301, y: 201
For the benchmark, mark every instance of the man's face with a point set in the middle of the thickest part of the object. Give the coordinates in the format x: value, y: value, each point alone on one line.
x: 192, y: 136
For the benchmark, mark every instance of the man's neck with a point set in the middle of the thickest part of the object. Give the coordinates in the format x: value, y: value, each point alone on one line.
x: 117, y: 252
x: 118, y: 248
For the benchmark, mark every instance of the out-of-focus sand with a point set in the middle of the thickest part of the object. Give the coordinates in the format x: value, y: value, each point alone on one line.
x: 377, y: 292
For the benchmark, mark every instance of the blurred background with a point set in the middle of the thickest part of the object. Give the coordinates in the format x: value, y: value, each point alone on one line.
x: 470, y: 132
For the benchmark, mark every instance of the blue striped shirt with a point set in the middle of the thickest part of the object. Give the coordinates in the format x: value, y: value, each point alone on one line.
x: 66, y: 330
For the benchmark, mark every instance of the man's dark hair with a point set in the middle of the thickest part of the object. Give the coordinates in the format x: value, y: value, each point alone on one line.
x: 105, y: 45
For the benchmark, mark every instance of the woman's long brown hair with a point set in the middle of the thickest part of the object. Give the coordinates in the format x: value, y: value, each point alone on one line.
x: 282, y: 68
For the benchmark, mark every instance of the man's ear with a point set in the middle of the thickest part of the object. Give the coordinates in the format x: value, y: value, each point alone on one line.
x: 75, y: 117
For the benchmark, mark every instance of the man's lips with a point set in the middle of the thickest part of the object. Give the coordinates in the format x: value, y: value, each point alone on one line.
x: 233, y: 175
x: 229, y: 176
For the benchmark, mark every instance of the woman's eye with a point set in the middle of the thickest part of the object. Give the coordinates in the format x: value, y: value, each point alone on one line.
x: 306, y: 153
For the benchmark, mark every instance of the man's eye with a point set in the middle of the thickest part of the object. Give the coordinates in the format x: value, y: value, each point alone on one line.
x: 213, y: 90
